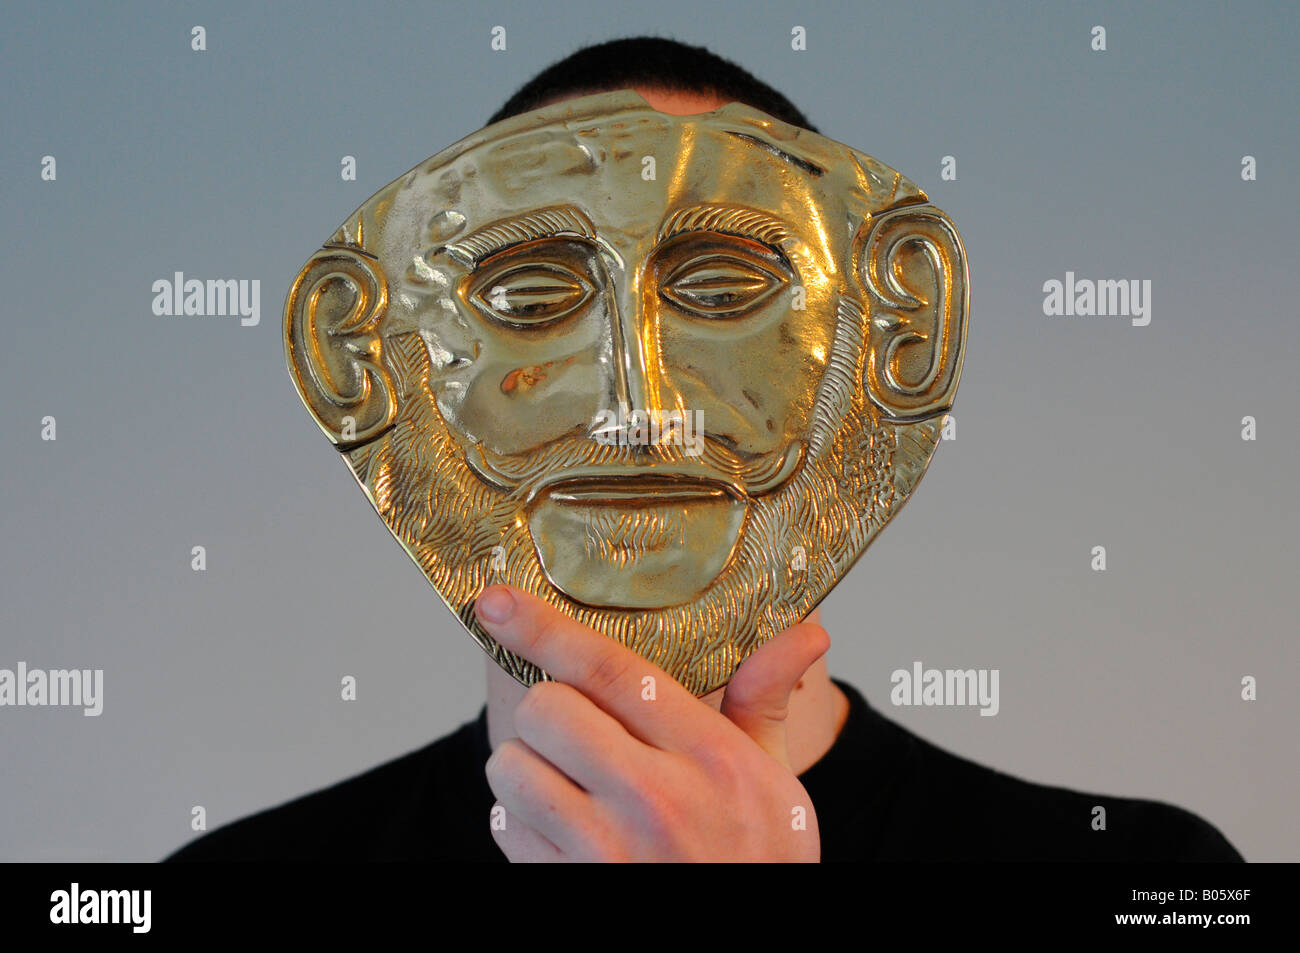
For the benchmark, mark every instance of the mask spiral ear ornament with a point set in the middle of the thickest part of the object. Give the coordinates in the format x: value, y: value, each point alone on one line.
x: 331, y: 333
x: 671, y: 374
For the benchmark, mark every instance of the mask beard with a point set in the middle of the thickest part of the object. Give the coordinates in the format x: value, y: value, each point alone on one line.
x: 858, y: 471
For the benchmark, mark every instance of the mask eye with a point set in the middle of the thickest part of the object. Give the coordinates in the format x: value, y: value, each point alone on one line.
x: 719, y: 285
x: 533, y: 294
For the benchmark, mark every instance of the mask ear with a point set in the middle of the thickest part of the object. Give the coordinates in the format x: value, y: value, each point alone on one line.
x: 913, y: 266
x: 332, y: 344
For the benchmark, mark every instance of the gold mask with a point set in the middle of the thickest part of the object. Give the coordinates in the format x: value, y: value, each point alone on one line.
x: 671, y: 374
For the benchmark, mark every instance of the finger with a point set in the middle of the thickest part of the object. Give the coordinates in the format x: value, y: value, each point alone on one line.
x: 588, y: 745
x: 757, y: 699
x: 538, y: 793
x: 608, y: 673
x: 523, y: 845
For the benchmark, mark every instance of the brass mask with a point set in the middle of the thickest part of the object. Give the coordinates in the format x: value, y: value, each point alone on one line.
x: 671, y: 374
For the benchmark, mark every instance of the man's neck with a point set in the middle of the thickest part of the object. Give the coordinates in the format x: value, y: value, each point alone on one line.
x: 818, y: 710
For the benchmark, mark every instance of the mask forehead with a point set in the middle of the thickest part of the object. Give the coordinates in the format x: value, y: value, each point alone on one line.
x: 593, y: 152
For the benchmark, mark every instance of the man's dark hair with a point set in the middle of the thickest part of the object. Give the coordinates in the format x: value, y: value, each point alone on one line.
x: 654, y: 63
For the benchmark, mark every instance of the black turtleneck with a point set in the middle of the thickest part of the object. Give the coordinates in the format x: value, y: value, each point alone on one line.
x: 881, y: 793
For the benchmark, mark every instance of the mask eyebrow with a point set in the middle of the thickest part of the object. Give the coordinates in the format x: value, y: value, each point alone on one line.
x: 516, y: 229
x: 728, y: 219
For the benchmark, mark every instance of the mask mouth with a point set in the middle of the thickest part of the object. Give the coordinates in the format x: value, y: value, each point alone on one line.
x: 647, y: 489
x: 675, y: 479
x: 623, y: 483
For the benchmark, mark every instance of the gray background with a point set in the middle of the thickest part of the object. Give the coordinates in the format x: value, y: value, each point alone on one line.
x: 222, y: 688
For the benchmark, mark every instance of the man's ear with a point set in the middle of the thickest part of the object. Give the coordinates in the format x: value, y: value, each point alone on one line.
x: 332, y: 344
x: 913, y: 266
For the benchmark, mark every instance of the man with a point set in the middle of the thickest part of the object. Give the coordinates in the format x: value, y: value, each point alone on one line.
x: 784, y: 763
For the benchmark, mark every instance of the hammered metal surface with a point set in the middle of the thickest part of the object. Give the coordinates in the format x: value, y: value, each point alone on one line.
x: 671, y: 374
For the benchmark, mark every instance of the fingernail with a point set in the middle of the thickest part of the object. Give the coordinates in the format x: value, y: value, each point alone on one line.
x: 495, y: 605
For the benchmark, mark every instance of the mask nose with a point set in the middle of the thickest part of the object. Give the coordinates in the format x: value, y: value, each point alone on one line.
x: 635, y: 351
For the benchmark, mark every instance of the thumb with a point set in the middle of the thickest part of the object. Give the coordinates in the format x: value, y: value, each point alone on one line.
x: 757, y: 698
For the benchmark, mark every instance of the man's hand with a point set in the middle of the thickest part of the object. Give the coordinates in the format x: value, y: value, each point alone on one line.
x: 600, y: 773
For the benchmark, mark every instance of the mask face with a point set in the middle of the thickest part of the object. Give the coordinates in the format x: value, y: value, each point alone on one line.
x: 671, y: 374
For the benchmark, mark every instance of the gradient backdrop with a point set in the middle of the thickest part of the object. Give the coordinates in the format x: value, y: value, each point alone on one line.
x: 222, y: 687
